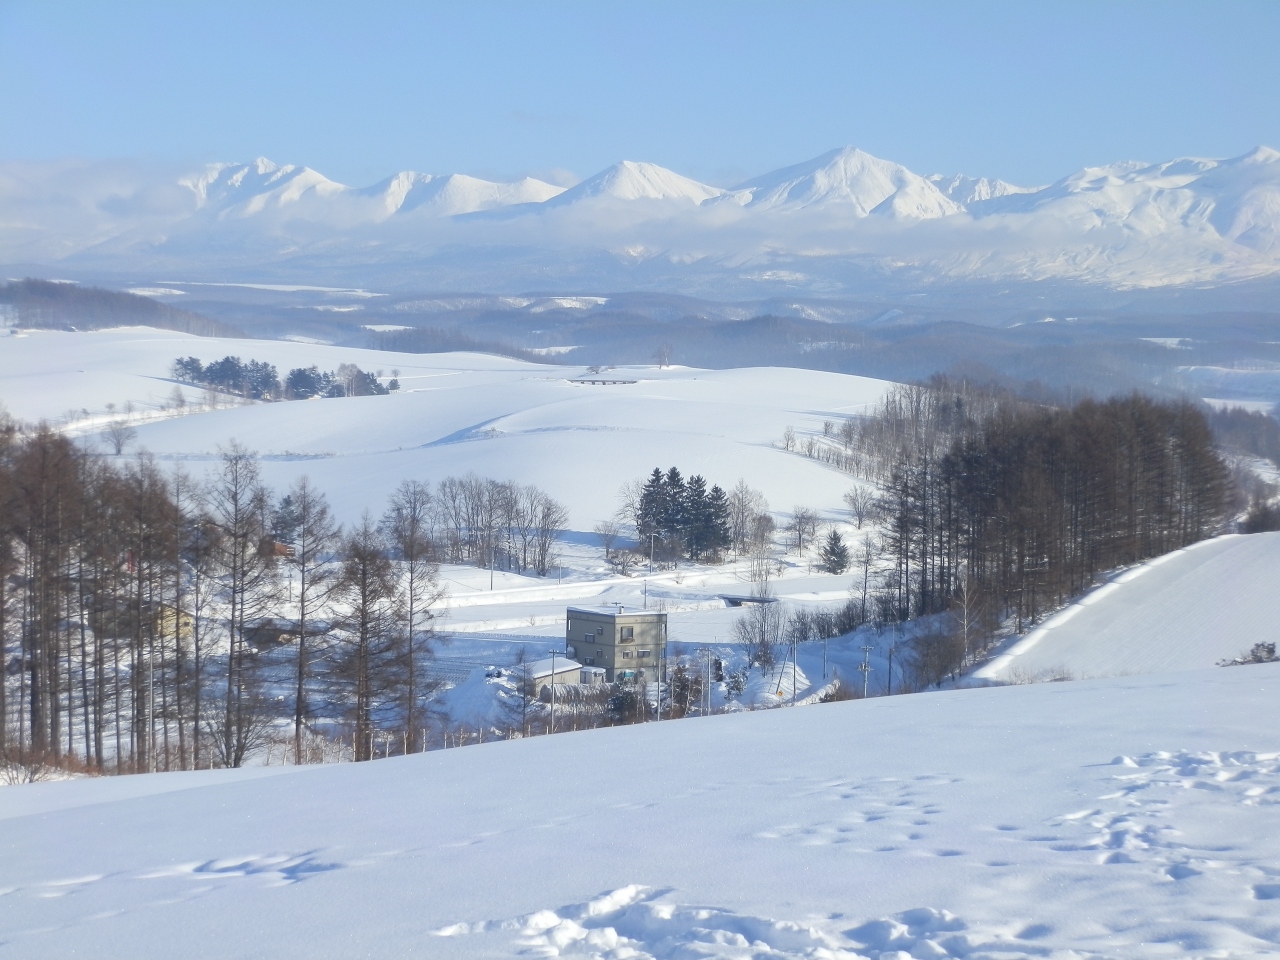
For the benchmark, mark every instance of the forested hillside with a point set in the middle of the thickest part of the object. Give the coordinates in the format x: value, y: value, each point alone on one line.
x: 69, y: 306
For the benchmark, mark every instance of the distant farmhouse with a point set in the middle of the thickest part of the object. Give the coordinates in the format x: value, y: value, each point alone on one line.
x: 627, y: 646
x: 561, y: 671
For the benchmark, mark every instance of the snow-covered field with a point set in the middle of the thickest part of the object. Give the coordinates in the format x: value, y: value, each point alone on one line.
x: 1120, y: 816
x: 1128, y: 817
x: 1184, y: 610
x: 504, y: 419
x: 501, y: 418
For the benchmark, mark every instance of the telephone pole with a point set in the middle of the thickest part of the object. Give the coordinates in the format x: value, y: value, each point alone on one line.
x: 865, y: 667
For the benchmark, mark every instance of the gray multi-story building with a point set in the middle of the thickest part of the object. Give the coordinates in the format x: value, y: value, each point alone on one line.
x: 627, y: 646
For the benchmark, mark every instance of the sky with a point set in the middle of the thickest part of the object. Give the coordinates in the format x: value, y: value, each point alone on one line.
x: 1027, y: 92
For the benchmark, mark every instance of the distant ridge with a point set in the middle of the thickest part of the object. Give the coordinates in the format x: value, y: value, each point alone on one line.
x: 831, y: 224
x: 49, y: 305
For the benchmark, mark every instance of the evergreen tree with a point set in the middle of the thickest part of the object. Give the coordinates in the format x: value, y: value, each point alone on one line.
x: 673, y: 512
x: 718, y: 535
x: 650, y: 513
x: 673, y: 507
x: 696, y: 527
x: 834, y: 555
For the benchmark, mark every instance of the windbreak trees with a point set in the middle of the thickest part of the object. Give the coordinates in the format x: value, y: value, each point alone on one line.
x: 1029, y: 504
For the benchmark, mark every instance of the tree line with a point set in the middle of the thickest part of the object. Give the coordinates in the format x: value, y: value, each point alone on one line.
x: 48, y: 304
x: 258, y: 380
x: 991, y: 504
x: 152, y: 622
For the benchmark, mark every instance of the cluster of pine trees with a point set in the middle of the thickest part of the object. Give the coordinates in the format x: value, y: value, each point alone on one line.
x: 682, y: 518
x: 150, y: 622
x: 258, y: 380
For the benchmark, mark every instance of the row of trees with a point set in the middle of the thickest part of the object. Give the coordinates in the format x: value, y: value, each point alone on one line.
x: 258, y: 380
x: 1026, y: 504
x: 149, y: 621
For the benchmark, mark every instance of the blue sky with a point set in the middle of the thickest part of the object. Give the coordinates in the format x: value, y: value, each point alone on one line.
x: 719, y: 91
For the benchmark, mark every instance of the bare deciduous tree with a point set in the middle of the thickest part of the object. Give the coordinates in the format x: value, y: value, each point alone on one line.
x: 367, y: 644
x: 119, y: 435
x: 608, y: 532
x: 407, y: 526
x: 803, y: 526
x: 861, y: 502
x: 314, y: 537
x: 759, y: 629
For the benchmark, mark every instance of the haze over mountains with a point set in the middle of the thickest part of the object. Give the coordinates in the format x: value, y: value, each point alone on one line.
x: 828, y: 226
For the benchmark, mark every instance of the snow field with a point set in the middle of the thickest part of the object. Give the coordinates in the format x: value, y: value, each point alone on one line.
x: 1129, y: 817
x: 1181, y: 611
x: 500, y: 418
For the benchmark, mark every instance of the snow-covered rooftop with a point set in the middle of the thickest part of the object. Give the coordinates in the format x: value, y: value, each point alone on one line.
x: 543, y: 668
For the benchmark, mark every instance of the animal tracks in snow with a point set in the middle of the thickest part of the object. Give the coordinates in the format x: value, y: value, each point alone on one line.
x: 1182, y: 814
x: 870, y: 812
x: 1173, y: 859
x: 276, y: 870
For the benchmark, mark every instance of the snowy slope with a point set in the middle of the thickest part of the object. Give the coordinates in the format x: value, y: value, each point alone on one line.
x: 1182, y: 611
x: 501, y: 418
x: 1125, y: 818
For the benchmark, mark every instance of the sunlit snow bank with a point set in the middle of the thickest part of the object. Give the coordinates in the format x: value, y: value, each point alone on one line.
x: 1184, y: 610
x: 1130, y: 818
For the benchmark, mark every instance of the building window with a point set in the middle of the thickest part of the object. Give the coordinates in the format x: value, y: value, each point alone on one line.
x: 589, y: 661
x: 599, y: 653
x: 626, y: 654
x: 628, y: 633
x: 644, y: 653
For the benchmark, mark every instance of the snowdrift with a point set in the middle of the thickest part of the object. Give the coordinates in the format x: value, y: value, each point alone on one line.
x: 1181, y: 611
x: 1130, y: 817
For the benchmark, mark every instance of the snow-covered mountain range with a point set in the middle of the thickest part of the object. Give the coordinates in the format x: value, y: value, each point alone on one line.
x: 820, y: 225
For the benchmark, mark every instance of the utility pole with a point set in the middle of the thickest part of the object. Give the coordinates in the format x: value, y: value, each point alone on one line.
x: 795, y: 650
x: 657, y: 682
x: 707, y: 687
x: 865, y: 667
x: 553, y: 690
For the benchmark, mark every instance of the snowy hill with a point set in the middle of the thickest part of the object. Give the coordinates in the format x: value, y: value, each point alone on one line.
x: 1129, y: 818
x: 1185, y: 610
x: 825, y: 225
x: 504, y: 419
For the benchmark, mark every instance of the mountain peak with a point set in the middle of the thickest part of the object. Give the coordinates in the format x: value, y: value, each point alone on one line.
x: 636, y: 180
x: 1261, y: 154
x: 849, y: 177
